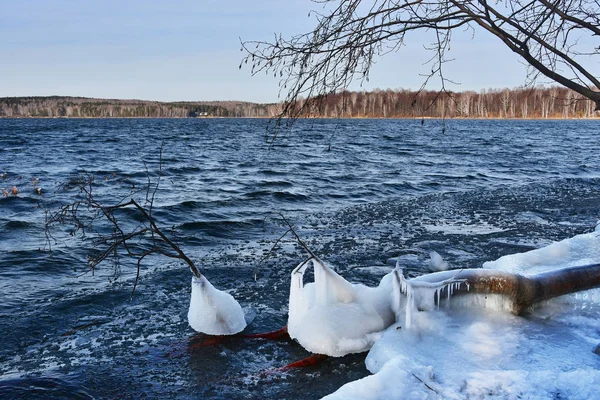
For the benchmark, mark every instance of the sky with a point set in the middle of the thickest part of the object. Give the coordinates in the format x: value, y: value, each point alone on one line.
x: 184, y: 50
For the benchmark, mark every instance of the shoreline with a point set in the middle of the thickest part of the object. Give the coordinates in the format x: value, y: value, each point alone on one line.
x: 338, y: 118
x: 328, y: 118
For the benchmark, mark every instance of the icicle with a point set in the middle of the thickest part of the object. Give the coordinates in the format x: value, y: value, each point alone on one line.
x: 402, y: 286
x: 430, y: 287
x: 410, y: 304
x: 398, y: 288
x: 297, y: 303
x: 321, y: 296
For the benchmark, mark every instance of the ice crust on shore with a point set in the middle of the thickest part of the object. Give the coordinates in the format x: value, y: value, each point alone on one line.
x: 465, y: 352
x: 579, y: 250
x: 213, y: 311
x: 458, y: 354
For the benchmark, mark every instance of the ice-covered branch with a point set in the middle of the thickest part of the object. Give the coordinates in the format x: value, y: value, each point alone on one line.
x: 110, y: 229
x: 521, y: 292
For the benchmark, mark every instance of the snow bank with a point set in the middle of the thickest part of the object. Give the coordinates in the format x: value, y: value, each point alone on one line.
x: 212, y: 311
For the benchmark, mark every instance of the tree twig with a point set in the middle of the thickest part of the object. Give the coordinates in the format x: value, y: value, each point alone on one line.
x: 423, y: 382
x: 89, y: 219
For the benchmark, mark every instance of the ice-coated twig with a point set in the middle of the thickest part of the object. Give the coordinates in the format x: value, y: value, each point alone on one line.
x: 211, y: 310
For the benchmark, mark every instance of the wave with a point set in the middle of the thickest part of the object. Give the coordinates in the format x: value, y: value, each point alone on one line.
x: 278, y: 195
x: 17, y: 224
x: 228, y: 229
x: 289, y: 196
x: 277, y: 183
x: 40, y: 262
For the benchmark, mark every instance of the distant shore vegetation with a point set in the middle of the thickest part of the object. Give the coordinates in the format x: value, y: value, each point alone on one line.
x: 519, y: 103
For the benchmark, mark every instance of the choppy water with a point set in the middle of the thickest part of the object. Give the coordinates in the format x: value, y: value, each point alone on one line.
x: 360, y: 193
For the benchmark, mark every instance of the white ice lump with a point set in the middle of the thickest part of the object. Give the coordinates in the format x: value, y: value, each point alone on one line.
x: 335, y: 317
x: 212, y: 311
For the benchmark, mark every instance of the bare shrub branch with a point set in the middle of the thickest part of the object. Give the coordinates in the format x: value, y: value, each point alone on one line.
x: 109, y: 227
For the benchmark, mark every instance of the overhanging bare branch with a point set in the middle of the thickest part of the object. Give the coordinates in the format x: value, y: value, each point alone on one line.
x: 555, y: 38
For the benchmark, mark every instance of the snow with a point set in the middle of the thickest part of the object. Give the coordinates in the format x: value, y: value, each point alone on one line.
x: 212, y: 311
x: 476, y: 349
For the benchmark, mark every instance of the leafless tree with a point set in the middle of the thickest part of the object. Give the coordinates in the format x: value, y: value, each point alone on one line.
x: 555, y: 38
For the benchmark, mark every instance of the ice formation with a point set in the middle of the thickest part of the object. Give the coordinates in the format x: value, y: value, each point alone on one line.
x: 437, y: 262
x: 579, y: 250
x: 212, y: 311
x: 335, y: 317
x: 427, y: 290
x: 457, y: 353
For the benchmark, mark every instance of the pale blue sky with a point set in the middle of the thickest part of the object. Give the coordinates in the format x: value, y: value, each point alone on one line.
x: 190, y: 50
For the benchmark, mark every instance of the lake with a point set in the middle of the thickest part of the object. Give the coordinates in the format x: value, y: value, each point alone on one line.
x: 361, y: 193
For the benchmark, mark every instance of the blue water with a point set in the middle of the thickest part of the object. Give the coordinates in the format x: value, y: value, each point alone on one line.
x: 360, y: 192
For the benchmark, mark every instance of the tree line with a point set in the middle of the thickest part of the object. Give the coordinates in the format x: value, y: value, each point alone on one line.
x: 82, y: 107
x: 538, y: 102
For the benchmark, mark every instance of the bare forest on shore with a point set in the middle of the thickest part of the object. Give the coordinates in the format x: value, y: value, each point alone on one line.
x: 537, y: 102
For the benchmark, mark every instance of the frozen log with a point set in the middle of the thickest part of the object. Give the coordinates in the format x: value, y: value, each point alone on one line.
x: 522, y: 291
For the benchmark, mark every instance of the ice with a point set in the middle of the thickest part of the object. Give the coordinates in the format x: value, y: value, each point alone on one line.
x: 427, y: 290
x: 437, y: 262
x: 449, y: 228
x: 403, y: 299
x: 335, y: 317
x: 579, y: 250
x: 212, y: 311
x: 458, y: 354
x: 463, y: 351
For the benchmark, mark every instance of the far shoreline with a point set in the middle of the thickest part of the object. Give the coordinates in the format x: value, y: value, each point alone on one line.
x: 326, y: 118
